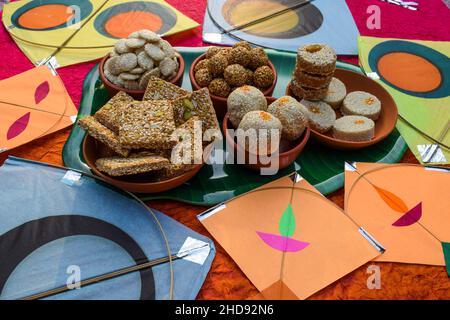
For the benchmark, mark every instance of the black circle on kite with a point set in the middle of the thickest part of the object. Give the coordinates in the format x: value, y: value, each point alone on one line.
x: 411, y: 68
x: 21, y: 241
x: 122, y: 19
x: 292, y: 24
x: 51, y: 14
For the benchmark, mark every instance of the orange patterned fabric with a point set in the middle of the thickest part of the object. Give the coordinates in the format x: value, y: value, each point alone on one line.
x: 226, y: 281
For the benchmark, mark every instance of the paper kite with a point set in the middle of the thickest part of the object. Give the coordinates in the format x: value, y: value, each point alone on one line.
x: 417, y: 75
x: 33, y: 104
x: 62, y: 229
x: 283, y: 24
x: 288, y: 239
x: 406, y: 207
x: 86, y: 29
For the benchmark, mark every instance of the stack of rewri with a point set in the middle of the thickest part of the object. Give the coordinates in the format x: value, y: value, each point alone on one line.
x: 155, y: 135
x: 313, y: 72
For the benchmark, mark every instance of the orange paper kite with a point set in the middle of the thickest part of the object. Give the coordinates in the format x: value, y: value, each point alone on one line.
x: 288, y: 239
x: 33, y: 104
x: 406, y: 207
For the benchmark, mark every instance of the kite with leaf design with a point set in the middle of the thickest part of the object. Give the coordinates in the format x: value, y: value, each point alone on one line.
x: 33, y: 104
x: 288, y: 239
x: 406, y: 207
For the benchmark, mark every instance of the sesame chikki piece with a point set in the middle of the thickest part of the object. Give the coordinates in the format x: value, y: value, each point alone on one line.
x: 110, y: 113
x: 147, y: 124
x: 158, y: 89
x: 98, y: 131
x: 197, y: 103
x: 116, y: 166
x: 189, y: 143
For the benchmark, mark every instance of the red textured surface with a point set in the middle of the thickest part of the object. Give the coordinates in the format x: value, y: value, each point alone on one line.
x: 226, y: 281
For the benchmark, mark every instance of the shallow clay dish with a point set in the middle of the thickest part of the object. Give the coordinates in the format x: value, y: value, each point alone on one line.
x: 139, y: 183
x: 113, y: 89
x: 383, y: 126
x: 289, y: 150
x: 220, y: 103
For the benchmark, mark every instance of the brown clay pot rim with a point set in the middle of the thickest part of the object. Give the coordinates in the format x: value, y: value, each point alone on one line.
x: 108, y: 178
x: 268, y: 92
x: 174, y: 80
x: 230, y: 140
x: 356, y: 143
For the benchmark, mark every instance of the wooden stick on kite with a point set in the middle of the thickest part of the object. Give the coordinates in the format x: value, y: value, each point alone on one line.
x: 114, y: 274
x: 243, y: 26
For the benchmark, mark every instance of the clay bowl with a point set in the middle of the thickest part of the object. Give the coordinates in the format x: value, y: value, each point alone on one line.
x: 289, y: 150
x: 220, y: 103
x: 383, y: 126
x: 140, y: 183
x: 113, y: 89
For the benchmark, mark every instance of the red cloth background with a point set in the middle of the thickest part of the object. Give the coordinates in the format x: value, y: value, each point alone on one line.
x: 225, y: 280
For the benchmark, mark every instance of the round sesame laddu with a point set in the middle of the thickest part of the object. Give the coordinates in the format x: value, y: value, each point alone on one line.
x: 236, y: 75
x: 217, y: 65
x: 203, y: 77
x: 219, y: 87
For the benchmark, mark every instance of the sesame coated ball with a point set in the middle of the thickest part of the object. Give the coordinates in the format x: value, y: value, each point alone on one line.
x: 202, y: 64
x: 243, y: 44
x: 212, y: 51
x: 293, y: 116
x: 243, y: 100
x: 217, y: 65
x: 239, y: 55
x: 235, y: 75
x: 203, y: 77
x: 226, y: 51
x: 263, y: 77
x: 258, y: 58
x: 219, y: 87
x: 260, y: 126
x: 249, y: 80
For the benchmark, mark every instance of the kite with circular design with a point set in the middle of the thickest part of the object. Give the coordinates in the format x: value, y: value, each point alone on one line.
x: 71, y: 229
x: 121, y: 20
x: 282, y: 25
x: 50, y: 15
x: 417, y: 75
x: 78, y: 31
x: 411, y: 68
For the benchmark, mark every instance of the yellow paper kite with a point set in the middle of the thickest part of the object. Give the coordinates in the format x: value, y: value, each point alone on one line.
x: 404, y: 206
x: 85, y: 29
x: 417, y: 75
x: 33, y: 104
x: 288, y: 239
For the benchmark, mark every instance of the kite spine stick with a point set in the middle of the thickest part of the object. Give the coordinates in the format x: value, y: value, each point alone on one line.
x: 371, y: 240
x: 107, y: 276
x: 208, y: 213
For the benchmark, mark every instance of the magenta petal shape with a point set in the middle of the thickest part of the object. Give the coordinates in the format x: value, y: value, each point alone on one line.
x: 409, y: 218
x: 282, y: 243
x: 41, y: 92
x: 18, y: 126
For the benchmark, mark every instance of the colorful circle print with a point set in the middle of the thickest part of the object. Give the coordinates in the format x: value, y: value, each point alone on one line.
x: 51, y: 15
x: 121, y: 20
x: 291, y: 24
x: 412, y: 68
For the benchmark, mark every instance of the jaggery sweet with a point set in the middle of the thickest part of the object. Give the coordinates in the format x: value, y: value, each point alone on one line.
x: 243, y: 100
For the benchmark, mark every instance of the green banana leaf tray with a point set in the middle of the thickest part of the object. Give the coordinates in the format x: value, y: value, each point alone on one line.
x: 320, y: 166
